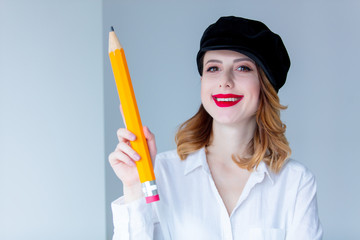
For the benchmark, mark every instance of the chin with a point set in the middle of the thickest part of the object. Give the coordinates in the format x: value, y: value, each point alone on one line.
x: 233, y: 120
x: 226, y: 120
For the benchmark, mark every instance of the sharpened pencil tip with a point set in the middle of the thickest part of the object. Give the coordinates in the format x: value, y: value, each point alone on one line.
x: 112, y: 28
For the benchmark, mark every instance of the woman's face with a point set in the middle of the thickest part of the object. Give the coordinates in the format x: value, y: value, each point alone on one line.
x: 230, y: 86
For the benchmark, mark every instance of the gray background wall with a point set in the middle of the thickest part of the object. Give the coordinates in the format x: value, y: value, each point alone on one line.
x: 161, y: 41
x: 59, y: 105
x: 52, y: 183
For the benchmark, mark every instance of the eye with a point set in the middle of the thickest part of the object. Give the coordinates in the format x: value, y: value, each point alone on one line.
x: 244, y: 69
x: 212, y: 69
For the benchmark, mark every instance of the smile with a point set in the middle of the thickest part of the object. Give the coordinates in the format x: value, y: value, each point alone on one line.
x: 227, y: 100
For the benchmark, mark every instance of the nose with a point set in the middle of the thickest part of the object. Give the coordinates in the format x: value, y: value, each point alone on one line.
x: 227, y: 80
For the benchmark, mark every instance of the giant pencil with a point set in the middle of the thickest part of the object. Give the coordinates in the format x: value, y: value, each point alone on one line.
x: 132, y: 117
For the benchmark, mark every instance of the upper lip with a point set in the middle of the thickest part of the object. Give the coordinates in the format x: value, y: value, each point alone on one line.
x: 227, y: 96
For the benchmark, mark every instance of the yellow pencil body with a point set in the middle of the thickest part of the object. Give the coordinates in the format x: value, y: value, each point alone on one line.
x: 132, y: 117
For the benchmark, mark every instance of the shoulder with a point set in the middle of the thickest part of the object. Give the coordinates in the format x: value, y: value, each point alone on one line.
x: 169, y: 172
x: 168, y: 157
x: 172, y: 154
x: 168, y: 161
x: 296, y: 168
x: 297, y: 173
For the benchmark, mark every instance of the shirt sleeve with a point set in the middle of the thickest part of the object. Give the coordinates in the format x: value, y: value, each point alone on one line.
x: 306, y: 223
x: 136, y: 220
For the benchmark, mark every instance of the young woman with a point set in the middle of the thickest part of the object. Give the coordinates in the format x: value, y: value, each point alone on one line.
x: 230, y: 177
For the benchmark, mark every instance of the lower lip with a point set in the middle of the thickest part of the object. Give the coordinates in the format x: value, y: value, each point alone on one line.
x: 226, y: 104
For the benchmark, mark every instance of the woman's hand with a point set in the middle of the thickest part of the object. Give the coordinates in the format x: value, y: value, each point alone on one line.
x: 122, y: 160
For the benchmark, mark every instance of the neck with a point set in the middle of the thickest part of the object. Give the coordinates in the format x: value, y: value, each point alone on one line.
x: 231, y: 139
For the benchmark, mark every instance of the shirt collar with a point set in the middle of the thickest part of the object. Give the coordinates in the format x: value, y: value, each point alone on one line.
x: 195, y: 160
x: 262, y: 169
x: 198, y: 159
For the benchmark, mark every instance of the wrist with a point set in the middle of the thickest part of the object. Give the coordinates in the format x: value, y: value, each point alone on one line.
x: 132, y: 193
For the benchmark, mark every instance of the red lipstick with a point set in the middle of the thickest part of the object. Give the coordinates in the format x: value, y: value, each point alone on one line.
x: 227, y: 100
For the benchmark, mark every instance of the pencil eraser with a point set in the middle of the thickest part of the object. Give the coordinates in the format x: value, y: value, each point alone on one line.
x: 151, y: 199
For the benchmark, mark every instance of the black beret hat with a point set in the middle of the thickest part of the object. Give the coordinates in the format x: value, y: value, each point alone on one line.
x: 249, y: 37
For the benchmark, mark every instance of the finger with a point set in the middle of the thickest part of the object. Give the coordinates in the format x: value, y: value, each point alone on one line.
x: 120, y: 157
x: 123, y: 147
x: 150, y: 138
x: 125, y: 135
x: 122, y: 115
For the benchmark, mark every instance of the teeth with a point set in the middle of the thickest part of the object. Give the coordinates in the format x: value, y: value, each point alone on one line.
x: 227, y: 99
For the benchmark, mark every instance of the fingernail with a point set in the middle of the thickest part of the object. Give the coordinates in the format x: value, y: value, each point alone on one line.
x: 132, y: 137
x: 132, y: 163
x: 136, y: 157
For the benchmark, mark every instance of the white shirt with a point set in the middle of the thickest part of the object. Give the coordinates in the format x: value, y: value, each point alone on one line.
x: 271, y: 206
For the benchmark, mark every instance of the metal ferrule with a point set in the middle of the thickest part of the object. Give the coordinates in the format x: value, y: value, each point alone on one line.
x: 149, y: 188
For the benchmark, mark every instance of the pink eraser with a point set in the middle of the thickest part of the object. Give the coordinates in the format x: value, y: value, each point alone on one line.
x: 151, y: 199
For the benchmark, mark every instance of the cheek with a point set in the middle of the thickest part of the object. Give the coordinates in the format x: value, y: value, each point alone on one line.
x: 252, y: 89
x: 256, y: 89
x: 203, y: 93
x: 253, y: 86
x: 256, y: 93
x: 205, y: 90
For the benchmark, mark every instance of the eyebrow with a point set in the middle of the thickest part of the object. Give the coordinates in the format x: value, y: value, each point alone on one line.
x: 213, y: 60
x: 235, y: 61
x: 244, y: 59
